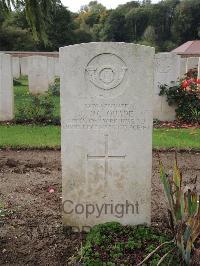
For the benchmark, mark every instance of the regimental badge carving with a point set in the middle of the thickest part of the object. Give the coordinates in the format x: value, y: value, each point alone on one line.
x: 106, y: 71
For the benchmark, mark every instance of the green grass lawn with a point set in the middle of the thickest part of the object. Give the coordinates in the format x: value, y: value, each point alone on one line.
x: 25, y: 136
x: 176, y: 138
x: 29, y: 136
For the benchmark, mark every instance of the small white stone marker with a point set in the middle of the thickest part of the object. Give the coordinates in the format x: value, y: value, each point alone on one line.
x: 6, y: 88
x: 16, y: 67
x: 167, y: 70
x: 183, y: 67
x: 106, y: 106
x: 51, y: 70
x: 24, y: 64
x: 38, y: 78
x: 57, y: 67
x: 192, y: 62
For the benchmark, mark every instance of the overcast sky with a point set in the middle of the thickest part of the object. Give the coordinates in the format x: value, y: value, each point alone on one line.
x: 74, y: 5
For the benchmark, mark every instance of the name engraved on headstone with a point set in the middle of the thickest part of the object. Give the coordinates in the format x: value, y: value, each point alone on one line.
x: 102, y: 116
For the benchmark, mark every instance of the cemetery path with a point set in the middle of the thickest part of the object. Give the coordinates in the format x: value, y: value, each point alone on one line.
x: 30, y: 188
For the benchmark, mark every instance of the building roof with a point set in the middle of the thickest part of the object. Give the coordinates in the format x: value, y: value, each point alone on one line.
x: 188, y: 48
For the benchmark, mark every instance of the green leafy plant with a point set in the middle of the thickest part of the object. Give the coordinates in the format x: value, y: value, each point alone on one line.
x: 55, y: 88
x: 185, y: 95
x: 184, y: 210
x: 16, y: 82
x: 115, y: 244
x: 38, y: 14
x: 39, y: 110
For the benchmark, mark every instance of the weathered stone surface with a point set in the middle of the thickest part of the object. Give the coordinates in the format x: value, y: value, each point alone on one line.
x: 106, y: 102
x: 183, y: 67
x: 57, y: 67
x: 6, y: 88
x: 16, y: 67
x: 51, y: 70
x: 167, y: 70
x: 24, y: 65
x: 38, y: 74
x: 192, y: 62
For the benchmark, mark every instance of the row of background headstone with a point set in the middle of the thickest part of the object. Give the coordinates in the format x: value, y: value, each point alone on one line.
x: 42, y: 70
x: 6, y: 88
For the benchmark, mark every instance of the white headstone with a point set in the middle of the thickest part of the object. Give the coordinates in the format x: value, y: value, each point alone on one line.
x: 51, y: 70
x: 6, y: 88
x: 38, y: 74
x: 57, y: 67
x: 183, y: 67
x: 24, y: 65
x: 106, y: 102
x: 167, y: 70
x: 192, y: 62
x: 198, y: 71
x: 16, y: 67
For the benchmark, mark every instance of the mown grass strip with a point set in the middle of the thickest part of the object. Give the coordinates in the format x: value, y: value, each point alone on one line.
x: 36, y: 136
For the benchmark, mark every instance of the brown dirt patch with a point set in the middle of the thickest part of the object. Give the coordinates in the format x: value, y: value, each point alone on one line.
x: 175, y: 124
x: 32, y: 233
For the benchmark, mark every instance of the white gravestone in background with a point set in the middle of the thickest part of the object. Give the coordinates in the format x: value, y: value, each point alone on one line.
x: 24, y: 63
x: 38, y: 74
x: 106, y: 102
x: 51, y: 70
x: 167, y: 70
x: 16, y: 67
x: 57, y: 67
x: 6, y: 88
x: 191, y: 62
x: 183, y: 67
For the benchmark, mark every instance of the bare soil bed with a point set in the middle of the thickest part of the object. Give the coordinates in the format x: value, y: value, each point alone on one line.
x: 31, y: 232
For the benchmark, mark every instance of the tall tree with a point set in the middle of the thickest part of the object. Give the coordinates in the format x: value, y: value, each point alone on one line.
x: 186, y: 23
x: 91, y: 19
x: 38, y: 14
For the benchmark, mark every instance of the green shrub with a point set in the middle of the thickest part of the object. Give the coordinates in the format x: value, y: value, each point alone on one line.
x: 16, y: 82
x: 54, y: 89
x: 39, y: 110
x: 185, y: 95
x: 114, y: 244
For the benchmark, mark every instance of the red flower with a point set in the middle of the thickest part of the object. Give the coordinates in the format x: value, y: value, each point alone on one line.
x: 190, y: 81
x: 198, y: 81
x: 185, y: 84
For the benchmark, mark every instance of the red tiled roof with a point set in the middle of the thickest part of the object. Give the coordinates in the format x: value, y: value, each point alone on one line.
x: 190, y: 47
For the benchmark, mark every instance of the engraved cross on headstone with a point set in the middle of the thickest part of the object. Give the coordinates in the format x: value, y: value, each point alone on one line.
x: 105, y: 157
